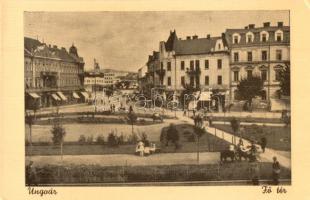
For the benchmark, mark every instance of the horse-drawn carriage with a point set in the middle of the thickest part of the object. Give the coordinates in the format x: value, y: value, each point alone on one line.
x: 250, y: 153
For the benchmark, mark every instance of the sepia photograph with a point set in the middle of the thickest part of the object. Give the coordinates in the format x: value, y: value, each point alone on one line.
x: 157, y: 98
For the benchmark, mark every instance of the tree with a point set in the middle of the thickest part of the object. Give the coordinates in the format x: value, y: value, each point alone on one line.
x: 173, y: 136
x: 199, y: 131
x: 58, y: 132
x: 132, y: 118
x: 235, y: 124
x: 285, y: 81
x: 29, y: 119
x: 109, y: 91
x: 186, y: 94
x: 249, y: 88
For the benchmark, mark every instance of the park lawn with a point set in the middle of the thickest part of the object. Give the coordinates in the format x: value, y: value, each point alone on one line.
x: 278, y: 138
x: 53, y: 174
x: 248, y: 119
x: 208, y: 143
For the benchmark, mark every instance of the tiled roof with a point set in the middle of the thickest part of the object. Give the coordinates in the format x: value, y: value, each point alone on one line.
x: 195, y: 46
x: 191, y: 46
x: 31, y: 44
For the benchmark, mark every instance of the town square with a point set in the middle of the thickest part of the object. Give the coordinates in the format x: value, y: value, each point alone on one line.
x: 157, y: 98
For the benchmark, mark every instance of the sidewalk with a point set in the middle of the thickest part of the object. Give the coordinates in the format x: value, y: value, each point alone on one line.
x: 268, y: 155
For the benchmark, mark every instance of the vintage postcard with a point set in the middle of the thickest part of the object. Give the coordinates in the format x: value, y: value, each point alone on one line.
x: 111, y: 100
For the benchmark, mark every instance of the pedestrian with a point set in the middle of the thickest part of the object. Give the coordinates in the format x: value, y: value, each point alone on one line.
x: 31, y: 175
x: 194, y: 112
x: 276, y: 169
x: 263, y: 143
x: 184, y: 113
x: 130, y: 109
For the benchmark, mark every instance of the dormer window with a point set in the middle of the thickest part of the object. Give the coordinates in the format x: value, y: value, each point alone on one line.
x: 249, y: 37
x: 236, y: 38
x: 279, y: 35
x: 264, y: 36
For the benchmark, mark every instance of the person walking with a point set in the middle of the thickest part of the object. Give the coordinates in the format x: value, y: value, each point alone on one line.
x: 263, y: 143
x: 276, y: 169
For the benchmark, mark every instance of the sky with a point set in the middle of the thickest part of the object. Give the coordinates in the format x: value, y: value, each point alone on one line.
x: 123, y: 40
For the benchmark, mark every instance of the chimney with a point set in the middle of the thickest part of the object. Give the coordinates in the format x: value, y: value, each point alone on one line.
x: 251, y: 26
x: 208, y: 36
x: 188, y: 37
x: 54, y: 46
x: 280, y: 24
x: 266, y: 24
x: 195, y: 37
x: 245, y: 27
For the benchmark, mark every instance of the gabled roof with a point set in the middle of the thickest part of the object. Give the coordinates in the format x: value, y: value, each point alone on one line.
x: 191, y: 46
x: 195, y: 46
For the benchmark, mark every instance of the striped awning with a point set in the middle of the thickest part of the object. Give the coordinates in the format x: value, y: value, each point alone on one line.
x: 75, y: 95
x: 34, y: 95
x: 55, y: 97
x: 85, y: 94
x: 62, y: 96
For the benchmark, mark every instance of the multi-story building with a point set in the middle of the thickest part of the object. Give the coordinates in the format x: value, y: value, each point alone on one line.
x: 53, y: 75
x: 202, y: 63
x: 258, y: 51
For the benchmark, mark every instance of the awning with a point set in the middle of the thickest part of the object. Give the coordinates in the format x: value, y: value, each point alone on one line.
x: 85, y: 94
x: 55, y: 97
x: 34, y: 95
x: 205, y: 96
x: 62, y: 96
x: 75, y: 95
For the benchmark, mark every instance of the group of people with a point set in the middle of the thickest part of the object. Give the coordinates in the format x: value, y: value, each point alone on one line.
x: 145, y: 148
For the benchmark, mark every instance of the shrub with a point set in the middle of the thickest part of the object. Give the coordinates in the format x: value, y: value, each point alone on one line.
x: 120, y: 139
x: 90, y: 139
x: 82, y: 139
x: 112, y: 139
x: 143, y: 138
x: 100, y: 139
x: 132, y: 139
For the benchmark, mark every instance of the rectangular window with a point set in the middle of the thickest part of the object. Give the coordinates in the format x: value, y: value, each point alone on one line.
x: 219, y: 63
x: 197, y: 63
x: 235, y: 39
x: 168, y: 66
x: 264, y: 55
x: 264, y: 37
x: 182, y: 65
x: 236, y: 56
x: 182, y: 80
x: 249, y: 74
x: 191, y: 65
x: 278, y: 37
x: 206, y: 64
x: 161, y: 65
x: 206, y: 80
x: 264, y: 75
x: 169, y: 81
x: 249, y: 38
x: 250, y: 58
x: 236, y: 76
x: 279, y: 54
x: 219, y: 80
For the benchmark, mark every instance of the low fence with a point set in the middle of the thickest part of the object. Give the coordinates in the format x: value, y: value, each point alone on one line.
x: 52, y: 174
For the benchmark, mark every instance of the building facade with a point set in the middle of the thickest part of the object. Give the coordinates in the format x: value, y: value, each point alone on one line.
x: 201, y: 63
x: 53, y: 76
x: 259, y: 51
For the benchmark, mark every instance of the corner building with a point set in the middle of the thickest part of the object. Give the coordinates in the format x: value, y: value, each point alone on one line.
x: 260, y: 51
x: 200, y: 62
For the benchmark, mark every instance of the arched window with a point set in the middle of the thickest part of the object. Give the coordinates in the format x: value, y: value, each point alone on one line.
x: 278, y: 36
x: 264, y: 36
x: 236, y: 38
x: 249, y: 37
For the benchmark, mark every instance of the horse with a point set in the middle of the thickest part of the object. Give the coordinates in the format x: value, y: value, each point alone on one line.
x: 227, y: 154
